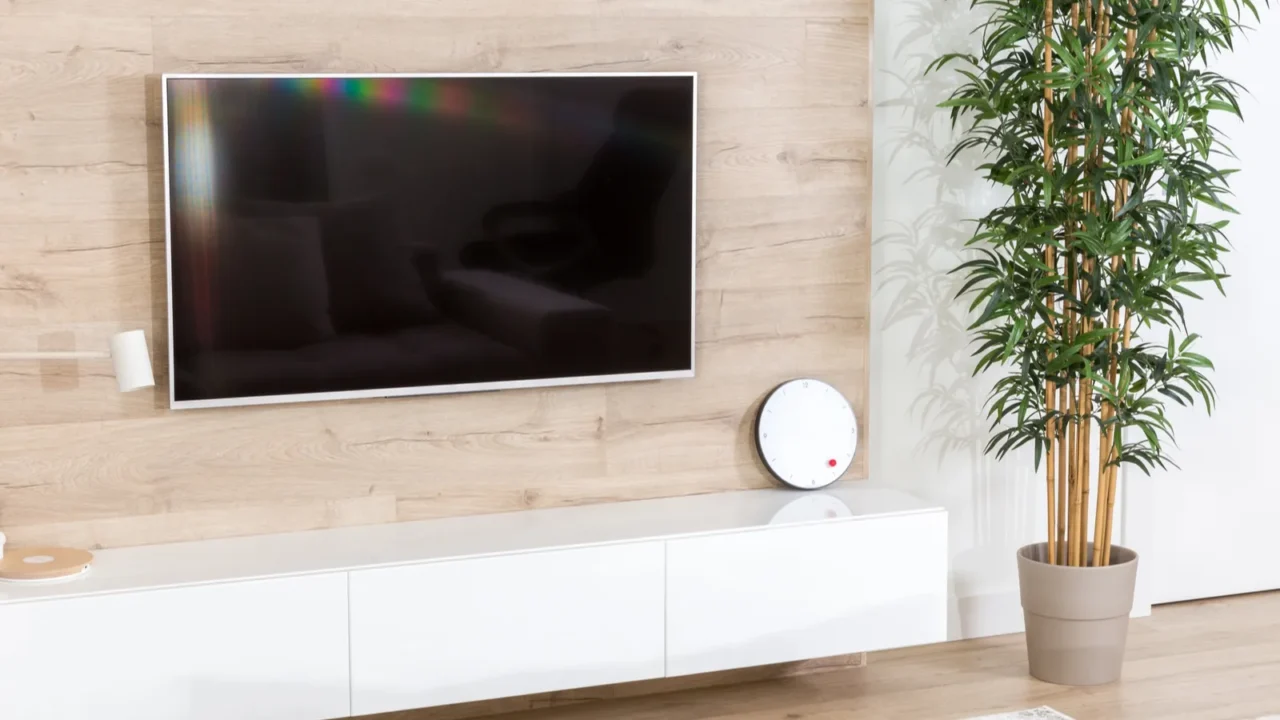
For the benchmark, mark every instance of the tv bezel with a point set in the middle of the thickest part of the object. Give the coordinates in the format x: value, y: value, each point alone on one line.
x: 176, y: 404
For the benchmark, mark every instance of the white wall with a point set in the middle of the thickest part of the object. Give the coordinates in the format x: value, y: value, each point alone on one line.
x: 1214, y: 520
x: 928, y: 425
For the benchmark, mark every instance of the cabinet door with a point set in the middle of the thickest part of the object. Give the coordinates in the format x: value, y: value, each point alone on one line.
x: 772, y: 596
x: 273, y: 649
x: 468, y: 630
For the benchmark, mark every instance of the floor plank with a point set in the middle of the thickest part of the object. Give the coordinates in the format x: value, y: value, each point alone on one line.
x: 1210, y: 660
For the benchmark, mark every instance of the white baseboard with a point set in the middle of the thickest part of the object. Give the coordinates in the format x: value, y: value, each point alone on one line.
x: 997, y: 613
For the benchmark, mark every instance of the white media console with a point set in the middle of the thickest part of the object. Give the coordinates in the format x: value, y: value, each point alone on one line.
x: 353, y: 621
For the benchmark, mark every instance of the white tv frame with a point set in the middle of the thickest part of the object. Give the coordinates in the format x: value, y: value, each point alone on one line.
x: 427, y: 389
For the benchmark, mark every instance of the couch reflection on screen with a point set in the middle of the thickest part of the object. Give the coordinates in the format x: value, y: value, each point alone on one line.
x: 604, y: 227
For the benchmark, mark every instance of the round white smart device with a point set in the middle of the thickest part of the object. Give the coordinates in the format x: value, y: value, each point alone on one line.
x: 806, y: 433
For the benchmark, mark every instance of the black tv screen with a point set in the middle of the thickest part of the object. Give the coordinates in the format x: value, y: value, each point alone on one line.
x: 356, y: 236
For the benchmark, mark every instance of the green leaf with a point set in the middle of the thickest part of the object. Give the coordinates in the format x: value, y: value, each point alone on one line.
x: 1148, y: 159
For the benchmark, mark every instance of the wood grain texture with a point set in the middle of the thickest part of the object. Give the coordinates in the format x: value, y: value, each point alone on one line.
x: 1211, y: 660
x: 73, y: 133
x: 783, y: 252
x: 451, y: 9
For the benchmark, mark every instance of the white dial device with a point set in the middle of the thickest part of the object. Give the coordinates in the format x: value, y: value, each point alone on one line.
x: 806, y: 433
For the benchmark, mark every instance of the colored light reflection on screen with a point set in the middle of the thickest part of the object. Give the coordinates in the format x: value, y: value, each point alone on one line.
x: 193, y: 152
x: 465, y: 100
x: 193, y: 201
x: 427, y: 95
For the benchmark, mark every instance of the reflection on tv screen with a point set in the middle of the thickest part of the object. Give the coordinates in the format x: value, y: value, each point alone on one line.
x: 392, y: 235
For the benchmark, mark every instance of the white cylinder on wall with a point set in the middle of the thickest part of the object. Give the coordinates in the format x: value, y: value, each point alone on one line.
x: 132, y: 361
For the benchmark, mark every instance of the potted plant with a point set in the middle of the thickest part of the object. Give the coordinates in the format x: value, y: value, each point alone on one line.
x: 1095, y: 116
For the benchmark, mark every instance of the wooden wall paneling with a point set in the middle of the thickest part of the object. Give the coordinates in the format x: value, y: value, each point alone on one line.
x: 79, y: 249
x: 782, y: 151
x: 838, y: 62
x: 783, y: 252
x: 480, y: 453
x: 48, y: 267
x: 34, y: 393
x: 295, y: 515
x: 668, y: 440
x: 805, y: 239
x: 743, y: 62
x: 74, y: 139
x: 451, y: 9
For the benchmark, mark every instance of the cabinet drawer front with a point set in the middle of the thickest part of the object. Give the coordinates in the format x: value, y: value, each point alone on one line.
x: 274, y: 649
x: 494, y: 627
x: 788, y: 594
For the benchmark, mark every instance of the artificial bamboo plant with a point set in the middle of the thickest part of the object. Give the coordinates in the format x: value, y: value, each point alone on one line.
x: 1096, y: 116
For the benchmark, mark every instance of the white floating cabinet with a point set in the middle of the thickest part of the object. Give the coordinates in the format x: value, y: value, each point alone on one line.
x: 264, y: 650
x: 311, y: 626
x: 779, y: 595
x: 454, y: 632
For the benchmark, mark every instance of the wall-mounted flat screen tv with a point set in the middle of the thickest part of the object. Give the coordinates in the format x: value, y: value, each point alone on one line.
x: 345, y: 236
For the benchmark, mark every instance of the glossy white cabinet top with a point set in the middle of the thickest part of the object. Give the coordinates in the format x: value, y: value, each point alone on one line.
x: 267, y: 556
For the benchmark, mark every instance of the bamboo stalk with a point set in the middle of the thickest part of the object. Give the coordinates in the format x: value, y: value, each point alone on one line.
x: 1106, y: 440
x: 1106, y: 455
x: 1073, y: 535
x: 1099, y: 26
x: 1072, y: 426
x: 1085, y: 405
x: 1086, y: 399
x: 1109, y: 514
x: 1080, y: 494
x: 1086, y: 415
x: 1106, y: 443
x: 1049, y: 391
x: 1108, y: 510
x: 1067, y: 394
x: 1080, y: 387
x: 1074, y: 327
x: 1079, y: 478
x: 1050, y: 467
x: 1061, y: 538
x: 1106, y: 503
x: 1082, y: 478
x: 1073, y: 476
x: 1111, y: 491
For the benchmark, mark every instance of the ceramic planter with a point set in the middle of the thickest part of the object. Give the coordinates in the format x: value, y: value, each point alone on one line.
x: 1077, y: 617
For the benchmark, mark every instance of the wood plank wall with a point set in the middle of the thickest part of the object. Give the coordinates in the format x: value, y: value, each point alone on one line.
x: 783, y: 253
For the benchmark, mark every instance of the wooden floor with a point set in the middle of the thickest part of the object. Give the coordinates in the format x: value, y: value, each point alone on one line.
x: 1210, y: 660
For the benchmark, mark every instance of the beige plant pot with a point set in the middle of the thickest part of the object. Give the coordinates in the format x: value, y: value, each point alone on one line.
x: 1077, y: 617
